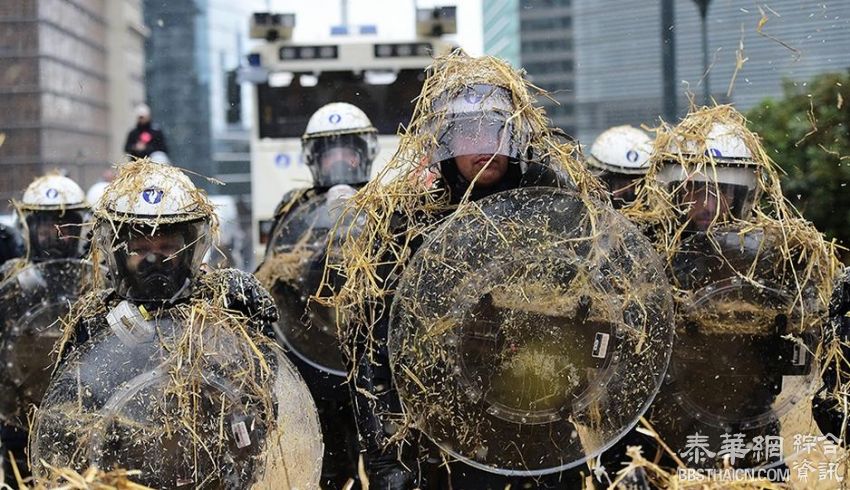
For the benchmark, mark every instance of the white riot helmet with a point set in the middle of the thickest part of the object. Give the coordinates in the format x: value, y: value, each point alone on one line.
x: 160, y: 157
x: 95, y: 192
x: 476, y: 121
x: 339, y: 145
x: 620, y: 156
x: 622, y: 150
x: 154, y: 228
x: 53, y: 211
x: 718, y: 166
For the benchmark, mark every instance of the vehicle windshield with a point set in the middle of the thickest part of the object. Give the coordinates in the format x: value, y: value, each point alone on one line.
x: 284, y: 110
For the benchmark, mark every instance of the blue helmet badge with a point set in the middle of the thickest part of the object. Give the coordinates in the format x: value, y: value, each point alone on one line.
x: 632, y: 156
x: 152, y: 195
x: 335, y: 118
x: 473, y: 97
x: 52, y: 193
x: 714, y: 152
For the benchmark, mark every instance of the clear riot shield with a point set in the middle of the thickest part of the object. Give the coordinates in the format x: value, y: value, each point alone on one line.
x: 295, y: 271
x: 32, y: 302
x: 743, y: 365
x: 530, y: 332
x: 185, y: 399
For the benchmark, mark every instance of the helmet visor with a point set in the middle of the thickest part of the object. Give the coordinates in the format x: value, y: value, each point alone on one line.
x: 705, y: 203
x: 475, y: 121
x: 475, y: 134
x: 340, y: 158
x: 154, y: 264
x: 711, y: 195
x: 54, y: 234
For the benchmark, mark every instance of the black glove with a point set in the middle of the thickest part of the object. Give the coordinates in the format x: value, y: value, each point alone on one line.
x: 826, y: 409
x: 242, y: 293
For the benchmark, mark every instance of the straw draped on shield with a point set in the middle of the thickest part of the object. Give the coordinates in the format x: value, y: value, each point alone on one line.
x: 403, y: 192
x: 655, y: 208
x: 185, y: 393
x: 746, y: 289
x: 560, y: 256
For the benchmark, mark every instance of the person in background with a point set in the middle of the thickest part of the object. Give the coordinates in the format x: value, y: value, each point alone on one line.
x: 146, y: 138
x: 620, y: 157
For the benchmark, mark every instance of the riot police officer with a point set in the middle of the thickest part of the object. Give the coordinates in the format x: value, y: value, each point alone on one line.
x: 33, y: 295
x: 487, y: 418
x: 176, y: 359
x: 747, y: 316
x: 51, y: 214
x: 620, y: 157
x: 339, y: 146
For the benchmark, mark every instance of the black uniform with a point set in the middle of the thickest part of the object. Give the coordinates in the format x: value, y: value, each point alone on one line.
x: 419, y: 464
x: 243, y: 292
x: 149, y: 137
x: 333, y: 402
x: 828, y: 414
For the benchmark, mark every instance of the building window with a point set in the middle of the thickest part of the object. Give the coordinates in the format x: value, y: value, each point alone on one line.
x: 560, y: 66
x: 530, y: 4
x: 548, y: 23
x: 556, y: 44
x: 234, y: 98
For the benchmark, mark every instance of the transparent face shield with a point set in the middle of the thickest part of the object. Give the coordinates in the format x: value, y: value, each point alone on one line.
x: 484, y: 134
x: 475, y: 121
x: 726, y: 193
x: 708, y: 203
x: 340, y: 159
x: 54, y: 234
x: 154, y: 265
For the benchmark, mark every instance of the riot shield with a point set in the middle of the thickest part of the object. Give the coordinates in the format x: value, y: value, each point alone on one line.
x: 32, y: 302
x: 743, y: 364
x: 184, y: 398
x: 531, y: 331
x: 294, y: 272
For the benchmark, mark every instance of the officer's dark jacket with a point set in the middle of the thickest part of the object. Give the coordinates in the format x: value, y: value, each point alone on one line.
x: 400, y: 466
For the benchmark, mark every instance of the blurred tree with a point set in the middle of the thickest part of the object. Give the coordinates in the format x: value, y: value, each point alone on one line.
x: 807, y: 133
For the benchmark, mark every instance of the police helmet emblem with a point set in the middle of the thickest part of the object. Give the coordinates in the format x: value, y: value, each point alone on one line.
x: 335, y: 118
x: 152, y: 195
x: 632, y: 156
x: 473, y: 97
x: 52, y: 193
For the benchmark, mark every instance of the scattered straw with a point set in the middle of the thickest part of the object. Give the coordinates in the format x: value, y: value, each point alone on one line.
x: 90, y: 479
x: 404, y: 206
x: 774, y: 263
x: 194, y: 394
